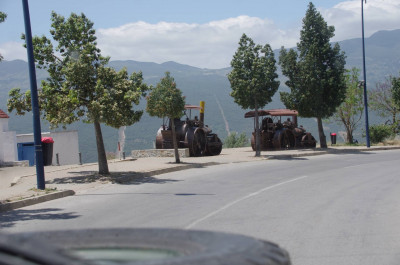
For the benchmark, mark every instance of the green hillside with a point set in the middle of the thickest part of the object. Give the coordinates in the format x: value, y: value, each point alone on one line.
x: 210, y: 85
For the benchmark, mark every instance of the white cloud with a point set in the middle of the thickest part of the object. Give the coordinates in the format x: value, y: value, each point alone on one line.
x: 209, y: 45
x: 13, y: 51
x: 378, y: 15
x: 213, y: 44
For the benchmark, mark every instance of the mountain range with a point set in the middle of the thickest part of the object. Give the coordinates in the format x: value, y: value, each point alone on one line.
x: 211, y: 85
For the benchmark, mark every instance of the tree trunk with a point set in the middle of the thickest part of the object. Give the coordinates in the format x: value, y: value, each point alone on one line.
x: 322, y: 138
x: 349, y: 135
x: 258, y: 152
x: 101, y: 152
x: 177, y: 160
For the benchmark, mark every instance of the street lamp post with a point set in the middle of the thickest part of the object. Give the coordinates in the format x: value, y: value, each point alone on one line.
x: 365, y: 75
x: 37, y: 133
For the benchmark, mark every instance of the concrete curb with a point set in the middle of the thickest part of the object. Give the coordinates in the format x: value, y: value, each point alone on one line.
x: 332, y: 151
x: 35, y: 200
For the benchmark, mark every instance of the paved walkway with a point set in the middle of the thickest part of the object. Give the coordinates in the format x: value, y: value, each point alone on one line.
x: 17, y: 184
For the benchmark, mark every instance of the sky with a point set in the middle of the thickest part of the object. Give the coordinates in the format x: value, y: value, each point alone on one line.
x: 200, y: 33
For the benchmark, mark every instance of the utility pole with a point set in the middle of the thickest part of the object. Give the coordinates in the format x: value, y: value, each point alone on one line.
x: 37, y: 132
x: 365, y: 76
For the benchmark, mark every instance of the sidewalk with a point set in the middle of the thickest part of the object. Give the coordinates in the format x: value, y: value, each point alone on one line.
x: 18, y: 184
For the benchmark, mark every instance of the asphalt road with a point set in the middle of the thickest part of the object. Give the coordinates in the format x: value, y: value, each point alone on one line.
x: 325, y: 210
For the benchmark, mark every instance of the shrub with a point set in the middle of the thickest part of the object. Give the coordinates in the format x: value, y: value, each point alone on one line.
x: 234, y: 140
x: 111, y: 155
x: 380, y: 132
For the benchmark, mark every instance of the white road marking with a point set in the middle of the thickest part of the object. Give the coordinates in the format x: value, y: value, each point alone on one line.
x: 241, y: 199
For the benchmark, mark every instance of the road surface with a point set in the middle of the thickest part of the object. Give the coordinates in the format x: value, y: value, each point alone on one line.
x: 325, y: 210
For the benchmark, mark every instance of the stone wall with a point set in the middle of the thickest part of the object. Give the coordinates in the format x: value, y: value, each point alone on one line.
x: 159, y: 153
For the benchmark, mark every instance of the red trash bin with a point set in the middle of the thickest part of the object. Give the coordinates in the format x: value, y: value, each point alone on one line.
x: 333, y: 138
x: 47, y: 149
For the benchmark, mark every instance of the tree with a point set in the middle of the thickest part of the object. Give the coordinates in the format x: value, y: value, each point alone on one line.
x: 381, y: 132
x: 382, y: 99
x: 166, y: 100
x: 253, y: 78
x: 396, y: 98
x: 3, y: 17
x: 396, y: 89
x: 235, y: 140
x: 349, y: 113
x: 315, y: 71
x: 80, y: 86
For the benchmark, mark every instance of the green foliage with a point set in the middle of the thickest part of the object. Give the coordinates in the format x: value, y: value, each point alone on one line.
x: 349, y: 113
x: 396, y: 91
x: 19, y: 102
x: 166, y: 100
x: 111, y: 155
x: 80, y: 86
x: 316, y: 73
x: 253, y: 74
x: 3, y: 17
x: 234, y: 140
x: 253, y: 78
x: 380, y: 132
x: 382, y: 99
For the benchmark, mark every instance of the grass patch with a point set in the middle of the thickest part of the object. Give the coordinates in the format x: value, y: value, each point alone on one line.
x: 45, y: 191
x: 390, y: 142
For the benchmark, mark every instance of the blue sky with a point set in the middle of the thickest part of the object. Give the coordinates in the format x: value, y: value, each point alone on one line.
x: 199, y: 33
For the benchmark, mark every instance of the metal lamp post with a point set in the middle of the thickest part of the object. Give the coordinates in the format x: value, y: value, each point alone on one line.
x: 365, y: 76
x: 37, y: 132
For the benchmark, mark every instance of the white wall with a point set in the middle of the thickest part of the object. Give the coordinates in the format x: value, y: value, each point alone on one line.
x: 65, y: 145
x: 3, y: 125
x: 8, y: 143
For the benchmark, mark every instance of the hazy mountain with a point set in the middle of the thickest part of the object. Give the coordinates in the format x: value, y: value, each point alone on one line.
x: 210, y: 85
x: 382, y: 55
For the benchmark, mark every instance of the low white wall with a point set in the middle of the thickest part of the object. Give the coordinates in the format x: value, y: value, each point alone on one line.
x: 65, y: 145
x: 8, y: 146
x: 3, y: 125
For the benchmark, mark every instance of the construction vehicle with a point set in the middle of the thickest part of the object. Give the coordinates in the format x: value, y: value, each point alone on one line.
x: 276, y: 134
x: 190, y: 133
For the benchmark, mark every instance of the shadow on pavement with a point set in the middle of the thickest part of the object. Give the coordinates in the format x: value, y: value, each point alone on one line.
x: 81, y: 177
x: 9, y: 218
x: 349, y: 152
x: 125, y: 177
x: 132, y: 178
x: 146, y: 193
x: 284, y: 157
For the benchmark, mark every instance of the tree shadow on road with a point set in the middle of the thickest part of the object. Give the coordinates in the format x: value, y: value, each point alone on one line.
x: 78, y: 177
x: 125, y: 177
x: 349, y: 152
x: 9, y: 218
x: 285, y: 157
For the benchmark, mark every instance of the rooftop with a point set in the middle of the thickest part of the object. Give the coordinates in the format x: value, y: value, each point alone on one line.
x: 3, y: 115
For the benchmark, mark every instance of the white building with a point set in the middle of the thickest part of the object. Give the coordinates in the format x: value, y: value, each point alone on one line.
x: 65, y: 146
x: 8, y: 140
